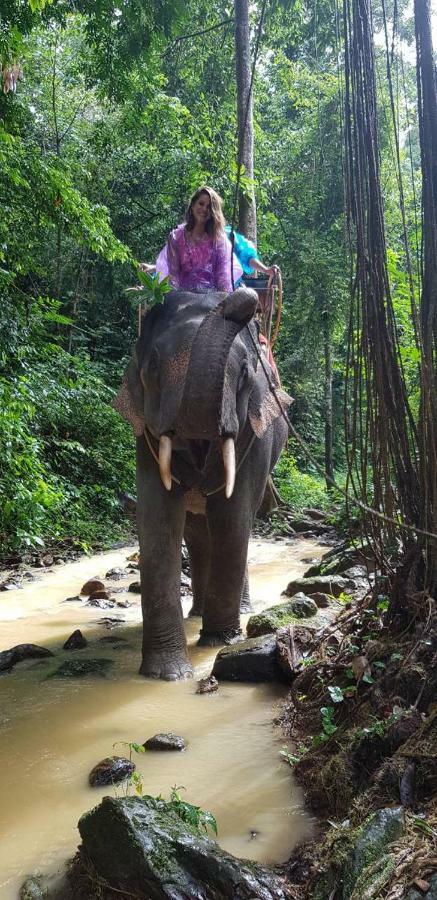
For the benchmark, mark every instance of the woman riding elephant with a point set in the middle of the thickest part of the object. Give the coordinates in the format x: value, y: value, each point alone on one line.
x: 197, y: 255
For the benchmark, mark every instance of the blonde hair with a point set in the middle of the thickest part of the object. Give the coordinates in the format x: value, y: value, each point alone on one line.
x: 215, y: 225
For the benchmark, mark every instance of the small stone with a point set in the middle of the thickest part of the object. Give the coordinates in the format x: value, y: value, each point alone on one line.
x: 111, y: 621
x: 59, y: 561
x: 47, y: 559
x: 123, y: 604
x: 207, y: 685
x: 115, y: 574
x: 76, y: 641
x: 10, y: 586
x: 92, y: 585
x: 111, y: 770
x: 101, y: 602
x: 165, y: 741
x: 32, y: 889
x: 303, y: 607
x: 135, y: 587
x: 80, y: 668
x: 112, y: 639
x: 77, y: 599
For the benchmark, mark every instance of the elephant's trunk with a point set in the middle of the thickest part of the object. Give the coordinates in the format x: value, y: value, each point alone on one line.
x: 165, y: 448
x: 228, y: 450
x: 200, y: 416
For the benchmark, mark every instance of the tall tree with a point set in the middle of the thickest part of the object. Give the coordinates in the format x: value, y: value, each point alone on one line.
x: 246, y: 199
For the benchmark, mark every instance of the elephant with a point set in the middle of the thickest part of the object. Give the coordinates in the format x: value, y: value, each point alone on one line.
x: 208, y: 433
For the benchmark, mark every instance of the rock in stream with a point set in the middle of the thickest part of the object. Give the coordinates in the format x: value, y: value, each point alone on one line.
x: 143, y: 847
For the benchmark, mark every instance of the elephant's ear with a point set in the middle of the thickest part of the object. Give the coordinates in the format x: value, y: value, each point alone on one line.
x: 263, y: 408
x: 129, y: 401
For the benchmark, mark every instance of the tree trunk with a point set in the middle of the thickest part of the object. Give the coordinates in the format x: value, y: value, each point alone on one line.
x: 247, y: 207
x: 427, y: 106
x: 329, y: 466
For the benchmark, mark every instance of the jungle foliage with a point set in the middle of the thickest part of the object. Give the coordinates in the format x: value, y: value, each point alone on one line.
x: 109, y: 119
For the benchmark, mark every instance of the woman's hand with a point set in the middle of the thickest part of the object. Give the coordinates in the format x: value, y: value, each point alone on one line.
x: 272, y: 270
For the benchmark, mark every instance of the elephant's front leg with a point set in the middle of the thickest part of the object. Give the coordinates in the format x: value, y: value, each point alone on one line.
x: 160, y: 518
x: 198, y: 546
x: 229, y: 531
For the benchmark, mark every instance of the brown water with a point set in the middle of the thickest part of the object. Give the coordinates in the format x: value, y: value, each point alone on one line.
x: 52, y: 732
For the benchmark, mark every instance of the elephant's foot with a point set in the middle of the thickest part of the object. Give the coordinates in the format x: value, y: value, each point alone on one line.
x: 167, y: 666
x: 218, y: 638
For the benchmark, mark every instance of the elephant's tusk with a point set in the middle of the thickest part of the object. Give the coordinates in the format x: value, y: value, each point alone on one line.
x: 165, y: 460
x: 228, y: 450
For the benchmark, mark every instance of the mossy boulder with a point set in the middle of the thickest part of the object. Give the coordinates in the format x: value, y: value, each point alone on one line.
x: 142, y: 847
x: 270, y: 620
x: 377, y: 833
x: 360, y: 863
x: 325, y: 584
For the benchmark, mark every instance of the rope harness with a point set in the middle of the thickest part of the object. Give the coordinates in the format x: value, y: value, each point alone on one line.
x: 178, y: 482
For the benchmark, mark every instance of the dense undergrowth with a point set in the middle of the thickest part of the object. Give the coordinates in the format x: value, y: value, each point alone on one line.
x: 65, y: 454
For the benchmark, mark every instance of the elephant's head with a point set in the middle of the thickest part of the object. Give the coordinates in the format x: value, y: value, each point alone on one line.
x: 194, y: 379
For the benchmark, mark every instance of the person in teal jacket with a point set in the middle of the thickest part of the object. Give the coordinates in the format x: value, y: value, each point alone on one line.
x: 247, y: 255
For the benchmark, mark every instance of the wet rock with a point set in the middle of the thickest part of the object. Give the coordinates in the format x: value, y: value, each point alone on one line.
x: 47, y: 559
x: 111, y: 770
x: 325, y: 584
x: 273, y: 618
x: 123, y: 604
x: 32, y: 889
x: 10, y: 585
x: 10, y: 658
x: 135, y: 587
x: 321, y: 600
x: 92, y: 585
x: 111, y: 621
x: 76, y: 599
x: 115, y: 574
x: 112, y: 639
x: 317, y: 514
x: 167, y: 741
x: 384, y: 827
x: 100, y: 602
x: 76, y: 641
x: 303, y: 607
x: 80, y: 668
x: 207, y: 685
x: 251, y: 660
x: 185, y: 580
x: 142, y: 847
x: 356, y: 573
x: 59, y: 561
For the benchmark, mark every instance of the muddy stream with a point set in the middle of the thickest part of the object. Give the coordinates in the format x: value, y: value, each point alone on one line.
x: 53, y: 731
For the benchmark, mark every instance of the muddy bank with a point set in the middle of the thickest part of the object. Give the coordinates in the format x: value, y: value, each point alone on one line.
x: 52, y: 731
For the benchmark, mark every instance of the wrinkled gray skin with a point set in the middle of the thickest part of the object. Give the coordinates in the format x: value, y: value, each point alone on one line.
x: 195, y: 376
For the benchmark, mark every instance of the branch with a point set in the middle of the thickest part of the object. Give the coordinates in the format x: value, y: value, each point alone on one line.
x: 193, y: 34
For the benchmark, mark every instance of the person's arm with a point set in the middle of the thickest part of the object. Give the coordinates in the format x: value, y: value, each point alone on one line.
x: 260, y: 267
x: 173, y: 259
